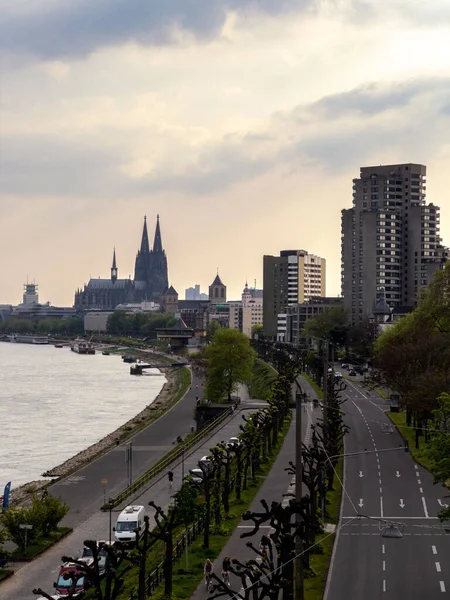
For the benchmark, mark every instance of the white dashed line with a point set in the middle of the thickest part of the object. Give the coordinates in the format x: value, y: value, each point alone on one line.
x: 438, y: 567
x: 379, y: 481
x: 433, y: 549
x: 384, y: 565
x: 421, y: 490
x: 425, y: 509
x: 383, y: 549
x: 384, y: 585
x: 419, y: 482
x: 442, y: 584
x: 381, y: 490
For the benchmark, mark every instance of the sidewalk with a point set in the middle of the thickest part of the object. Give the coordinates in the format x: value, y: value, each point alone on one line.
x: 44, y: 570
x: 277, y: 483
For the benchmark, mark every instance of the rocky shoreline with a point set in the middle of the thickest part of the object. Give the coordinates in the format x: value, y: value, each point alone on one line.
x: 131, y: 427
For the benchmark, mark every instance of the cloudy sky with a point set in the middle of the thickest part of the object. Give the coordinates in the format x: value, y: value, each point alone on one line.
x: 241, y: 122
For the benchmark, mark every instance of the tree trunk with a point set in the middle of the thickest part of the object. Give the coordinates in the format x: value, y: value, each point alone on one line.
x: 207, y: 518
x: 168, y: 565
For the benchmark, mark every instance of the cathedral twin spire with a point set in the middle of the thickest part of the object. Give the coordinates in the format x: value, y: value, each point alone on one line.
x: 157, y: 243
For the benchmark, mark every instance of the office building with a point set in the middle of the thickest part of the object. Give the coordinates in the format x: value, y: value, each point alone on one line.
x: 247, y: 312
x: 289, y: 279
x: 390, y: 239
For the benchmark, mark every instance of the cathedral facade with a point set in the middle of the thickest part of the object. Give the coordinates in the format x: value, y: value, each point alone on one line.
x: 149, y: 283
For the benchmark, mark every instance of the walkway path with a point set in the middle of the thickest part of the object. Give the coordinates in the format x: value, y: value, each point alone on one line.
x: 277, y: 483
x: 43, y: 571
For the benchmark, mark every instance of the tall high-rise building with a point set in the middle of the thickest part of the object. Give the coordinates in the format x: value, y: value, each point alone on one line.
x: 390, y: 239
x: 291, y: 278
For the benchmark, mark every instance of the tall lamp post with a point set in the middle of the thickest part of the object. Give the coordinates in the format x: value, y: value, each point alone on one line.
x: 110, y: 507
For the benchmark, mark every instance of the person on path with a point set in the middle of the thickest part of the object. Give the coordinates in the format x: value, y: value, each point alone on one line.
x: 170, y: 478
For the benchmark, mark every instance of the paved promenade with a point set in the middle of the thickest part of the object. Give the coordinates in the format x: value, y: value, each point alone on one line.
x: 43, y: 571
x: 277, y: 483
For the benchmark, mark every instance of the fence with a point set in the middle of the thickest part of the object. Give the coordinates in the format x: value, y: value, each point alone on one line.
x: 155, y: 577
x: 166, y: 461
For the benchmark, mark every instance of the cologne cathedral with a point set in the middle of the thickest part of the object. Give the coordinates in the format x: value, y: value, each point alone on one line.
x: 149, y: 283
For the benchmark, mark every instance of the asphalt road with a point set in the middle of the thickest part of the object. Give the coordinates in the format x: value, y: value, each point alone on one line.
x: 43, y: 571
x: 276, y: 484
x: 386, y: 487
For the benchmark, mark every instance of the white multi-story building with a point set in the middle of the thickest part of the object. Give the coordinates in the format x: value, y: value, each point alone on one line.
x: 248, y: 312
x: 290, y: 279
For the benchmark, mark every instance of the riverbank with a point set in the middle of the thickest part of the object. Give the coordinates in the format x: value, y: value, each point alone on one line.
x: 177, y: 383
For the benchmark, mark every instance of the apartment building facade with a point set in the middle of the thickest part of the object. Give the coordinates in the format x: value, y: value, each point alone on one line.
x: 291, y: 278
x: 390, y: 241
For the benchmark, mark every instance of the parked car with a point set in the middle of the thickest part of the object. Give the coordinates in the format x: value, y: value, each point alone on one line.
x: 129, y: 520
x: 233, y: 442
x: 196, y: 475
x: 87, y: 556
x: 64, y: 582
x: 352, y: 373
x: 344, y: 365
x: 206, y: 464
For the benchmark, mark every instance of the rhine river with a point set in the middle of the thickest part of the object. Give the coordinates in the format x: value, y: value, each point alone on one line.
x: 55, y: 403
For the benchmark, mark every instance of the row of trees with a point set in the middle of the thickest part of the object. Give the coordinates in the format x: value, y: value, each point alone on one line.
x: 230, y: 471
x: 69, y: 327
x: 139, y: 324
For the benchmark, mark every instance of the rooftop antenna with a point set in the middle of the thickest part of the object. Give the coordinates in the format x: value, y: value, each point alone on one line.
x: 255, y: 284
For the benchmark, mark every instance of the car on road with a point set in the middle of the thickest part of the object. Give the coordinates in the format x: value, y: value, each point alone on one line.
x: 344, y: 365
x: 130, y: 521
x: 233, y: 442
x: 196, y: 475
x: 338, y: 375
x: 352, y: 373
x: 206, y: 464
x: 87, y: 556
x: 69, y: 573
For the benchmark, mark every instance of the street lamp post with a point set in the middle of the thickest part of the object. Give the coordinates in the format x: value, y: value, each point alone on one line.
x: 299, y: 581
x: 110, y: 506
x: 104, y: 482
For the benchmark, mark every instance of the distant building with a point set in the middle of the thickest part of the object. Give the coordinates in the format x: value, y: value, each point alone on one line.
x: 291, y: 323
x: 390, y: 239
x: 31, y: 310
x: 194, y: 293
x: 150, y: 279
x: 289, y: 279
x: 248, y: 312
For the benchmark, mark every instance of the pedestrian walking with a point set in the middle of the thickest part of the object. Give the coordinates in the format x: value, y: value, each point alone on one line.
x: 170, y: 478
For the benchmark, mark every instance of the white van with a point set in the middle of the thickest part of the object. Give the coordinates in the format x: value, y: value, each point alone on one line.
x: 131, y: 518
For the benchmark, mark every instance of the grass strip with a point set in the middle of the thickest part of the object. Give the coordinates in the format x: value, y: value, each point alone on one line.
x: 316, y: 388
x: 186, y: 582
x: 5, y: 574
x: 263, y: 376
x: 320, y: 563
x: 39, y: 546
x: 409, y: 435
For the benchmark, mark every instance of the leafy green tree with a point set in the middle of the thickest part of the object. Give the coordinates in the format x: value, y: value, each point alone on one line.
x: 4, y: 554
x: 229, y: 360
x: 50, y: 511
x: 438, y: 450
x: 257, y: 331
x: 332, y: 324
x: 13, y: 517
x: 211, y: 330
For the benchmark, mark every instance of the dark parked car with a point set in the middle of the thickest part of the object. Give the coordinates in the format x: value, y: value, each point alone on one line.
x: 352, y: 373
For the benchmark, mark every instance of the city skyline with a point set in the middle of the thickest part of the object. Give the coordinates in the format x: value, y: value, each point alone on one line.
x: 202, y: 115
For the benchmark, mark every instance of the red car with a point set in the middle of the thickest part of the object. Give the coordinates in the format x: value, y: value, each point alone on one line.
x: 64, y: 582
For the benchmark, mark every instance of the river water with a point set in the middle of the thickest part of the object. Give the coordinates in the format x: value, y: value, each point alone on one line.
x: 55, y: 403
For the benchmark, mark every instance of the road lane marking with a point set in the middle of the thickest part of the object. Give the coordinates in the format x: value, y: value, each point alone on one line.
x: 421, y: 490
x: 381, y: 506
x: 379, y: 481
x: 417, y: 473
x: 433, y: 548
x: 383, y: 549
x: 402, y: 504
x: 425, y: 509
x: 384, y: 585
x: 442, y: 584
x: 416, y: 467
x: 381, y: 490
x: 384, y: 565
x: 438, y: 567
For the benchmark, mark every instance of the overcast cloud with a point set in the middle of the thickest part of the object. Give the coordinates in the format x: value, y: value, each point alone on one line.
x: 241, y: 122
